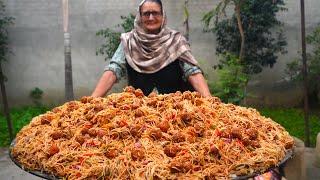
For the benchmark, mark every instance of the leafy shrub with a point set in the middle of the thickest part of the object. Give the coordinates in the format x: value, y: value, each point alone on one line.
x: 264, y: 38
x: 294, y: 69
x: 36, y: 96
x: 230, y: 87
x: 112, y: 37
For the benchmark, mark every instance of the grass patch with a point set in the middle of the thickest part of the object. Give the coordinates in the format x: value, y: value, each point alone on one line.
x: 293, y: 120
x: 19, y: 117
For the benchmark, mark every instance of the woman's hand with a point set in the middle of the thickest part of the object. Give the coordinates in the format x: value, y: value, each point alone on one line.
x: 105, y: 84
x: 199, y: 84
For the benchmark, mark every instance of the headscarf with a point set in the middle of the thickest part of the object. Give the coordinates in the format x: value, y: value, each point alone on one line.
x: 149, y: 53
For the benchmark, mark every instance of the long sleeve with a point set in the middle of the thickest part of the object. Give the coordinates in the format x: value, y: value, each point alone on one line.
x: 117, y: 63
x: 188, y: 69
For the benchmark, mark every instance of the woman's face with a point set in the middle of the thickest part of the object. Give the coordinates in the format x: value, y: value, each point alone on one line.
x: 151, y: 16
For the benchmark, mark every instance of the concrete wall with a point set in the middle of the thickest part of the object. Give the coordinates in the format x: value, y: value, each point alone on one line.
x: 37, y: 45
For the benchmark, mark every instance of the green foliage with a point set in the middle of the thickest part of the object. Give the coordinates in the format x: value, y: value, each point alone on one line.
x: 293, y: 121
x: 20, y: 117
x: 232, y: 81
x: 314, y: 58
x: 217, y: 12
x: 5, y: 21
x: 264, y: 39
x: 294, y: 69
x: 186, y: 13
x: 36, y: 95
x: 112, y: 37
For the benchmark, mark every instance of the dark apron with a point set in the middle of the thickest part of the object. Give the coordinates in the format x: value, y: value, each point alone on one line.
x: 167, y: 80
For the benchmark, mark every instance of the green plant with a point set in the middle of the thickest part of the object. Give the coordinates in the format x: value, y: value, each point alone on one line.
x: 20, y: 117
x: 230, y: 87
x: 5, y: 21
x: 262, y: 32
x: 220, y: 10
x: 186, y: 15
x: 36, y: 95
x: 294, y: 69
x: 112, y: 37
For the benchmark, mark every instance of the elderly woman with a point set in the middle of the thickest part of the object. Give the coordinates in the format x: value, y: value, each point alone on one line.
x: 153, y: 56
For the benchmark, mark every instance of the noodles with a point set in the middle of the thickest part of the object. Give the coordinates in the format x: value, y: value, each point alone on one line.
x: 132, y: 136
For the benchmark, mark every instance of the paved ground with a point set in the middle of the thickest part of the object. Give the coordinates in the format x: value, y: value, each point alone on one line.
x: 9, y: 171
x: 312, y: 169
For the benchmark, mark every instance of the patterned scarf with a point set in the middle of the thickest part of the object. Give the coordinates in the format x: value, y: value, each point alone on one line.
x: 149, y: 53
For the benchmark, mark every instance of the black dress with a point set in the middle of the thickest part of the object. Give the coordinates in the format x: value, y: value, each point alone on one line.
x: 167, y: 80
